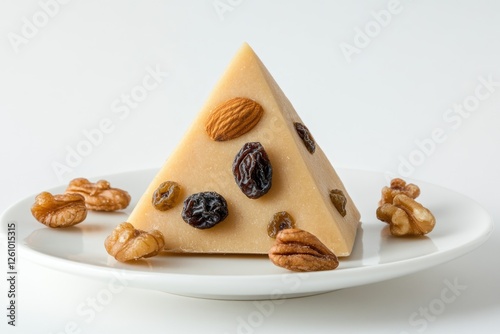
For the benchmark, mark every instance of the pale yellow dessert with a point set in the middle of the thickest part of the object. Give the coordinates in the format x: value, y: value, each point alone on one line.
x: 203, y: 162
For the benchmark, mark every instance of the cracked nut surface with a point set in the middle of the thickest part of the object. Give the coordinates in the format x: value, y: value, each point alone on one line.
x: 398, y: 186
x: 127, y: 243
x: 99, y: 196
x: 406, y: 217
x: 299, y: 250
x: 59, y: 210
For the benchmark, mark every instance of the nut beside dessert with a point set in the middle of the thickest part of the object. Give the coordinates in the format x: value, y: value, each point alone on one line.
x: 405, y: 216
x: 398, y: 186
x: 126, y: 243
x: 299, y: 250
x: 99, y: 196
x: 59, y: 210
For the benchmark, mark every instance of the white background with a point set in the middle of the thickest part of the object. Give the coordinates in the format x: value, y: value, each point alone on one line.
x: 369, y: 110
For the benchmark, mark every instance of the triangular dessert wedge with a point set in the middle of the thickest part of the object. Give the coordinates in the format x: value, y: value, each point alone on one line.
x: 247, y: 122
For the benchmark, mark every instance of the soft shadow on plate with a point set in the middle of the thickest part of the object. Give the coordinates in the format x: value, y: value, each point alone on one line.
x: 393, y: 249
x: 462, y: 225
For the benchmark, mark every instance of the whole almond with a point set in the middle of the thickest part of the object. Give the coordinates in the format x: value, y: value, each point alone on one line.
x: 233, y: 118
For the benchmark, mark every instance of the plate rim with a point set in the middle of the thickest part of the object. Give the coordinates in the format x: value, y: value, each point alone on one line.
x: 373, y: 272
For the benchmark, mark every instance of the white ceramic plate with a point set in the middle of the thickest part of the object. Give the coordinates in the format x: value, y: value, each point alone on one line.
x: 462, y: 225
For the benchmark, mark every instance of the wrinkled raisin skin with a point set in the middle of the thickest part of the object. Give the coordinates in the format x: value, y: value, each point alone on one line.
x: 204, y: 210
x: 165, y: 196
x: 306, y: 136
x: 339, y: 201
x: 281, y: 220
x: 252, y: 170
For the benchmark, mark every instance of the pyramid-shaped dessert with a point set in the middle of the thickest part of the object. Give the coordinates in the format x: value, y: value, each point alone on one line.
x: 246, y: 168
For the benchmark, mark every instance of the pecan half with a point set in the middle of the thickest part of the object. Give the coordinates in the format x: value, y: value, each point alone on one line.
x: 299, y: 250
x: 99, y: 196
x: 126, y: 243
x: 398, y: 186
x: 406, y: 217
x: 59, y: 210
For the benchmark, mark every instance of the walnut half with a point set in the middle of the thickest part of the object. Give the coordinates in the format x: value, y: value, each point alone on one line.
x: 99, y: 196
x: 127, y: 243
x: 59, y: 210
x: 299, y: 250
x: 406, y: 217
x: 399, y: 186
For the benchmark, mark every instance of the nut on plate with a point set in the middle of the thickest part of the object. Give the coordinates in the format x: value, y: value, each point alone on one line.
x: 59, y: 210
x: 398, y: 186
x: 127, y: 243
x: 299, y: 250
x: 406, y: 216
x: 99, y: 196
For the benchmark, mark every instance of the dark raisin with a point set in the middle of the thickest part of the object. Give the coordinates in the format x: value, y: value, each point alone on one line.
x: 165, y: 196
x: 306, y: 137
x: 338, y: 200
x: 252, y: 170
x: 281, y: 220
x: 204, y: 210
